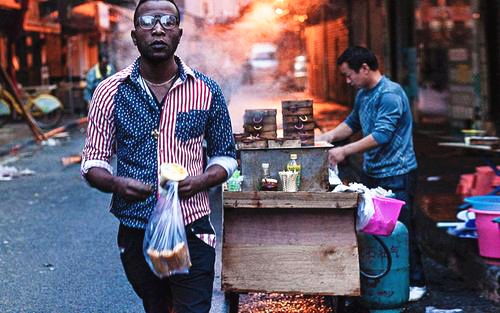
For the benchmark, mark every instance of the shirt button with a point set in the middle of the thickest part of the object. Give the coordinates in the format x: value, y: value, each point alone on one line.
x: 155, y: 133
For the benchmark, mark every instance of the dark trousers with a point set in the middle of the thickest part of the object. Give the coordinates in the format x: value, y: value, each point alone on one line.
x: 191, y: 293
x: 404, y: 188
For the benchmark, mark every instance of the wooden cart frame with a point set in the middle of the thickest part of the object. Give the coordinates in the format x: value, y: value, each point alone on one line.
x: 291, y: 243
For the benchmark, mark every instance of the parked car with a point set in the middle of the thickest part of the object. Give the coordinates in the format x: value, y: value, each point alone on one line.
x: 263, y: 62
x: 300, y: 71
x: 296, y: 78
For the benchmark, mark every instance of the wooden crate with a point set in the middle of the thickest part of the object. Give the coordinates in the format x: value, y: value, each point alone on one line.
x: 299, y: 243
x: 260, y: 123
x: 298, y: 120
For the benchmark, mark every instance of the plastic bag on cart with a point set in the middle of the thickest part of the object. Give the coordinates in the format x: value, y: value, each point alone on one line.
x: 333, y: 175
x: 165, y: 243
x: 366, y: 210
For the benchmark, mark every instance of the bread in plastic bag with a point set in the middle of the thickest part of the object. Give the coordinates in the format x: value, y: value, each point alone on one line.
x: 165, y: 243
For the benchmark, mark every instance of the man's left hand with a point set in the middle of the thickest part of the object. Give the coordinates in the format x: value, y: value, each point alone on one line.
x: 336, y: 155
x: 191, y: 186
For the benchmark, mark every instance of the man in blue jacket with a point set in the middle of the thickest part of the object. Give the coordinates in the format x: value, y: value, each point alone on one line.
x: 382, y: 114
x: 99, y: 72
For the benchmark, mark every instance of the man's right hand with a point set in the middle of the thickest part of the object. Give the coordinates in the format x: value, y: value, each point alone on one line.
x: 131, y: 189
x: 128, y: 188
x: 336, y: 155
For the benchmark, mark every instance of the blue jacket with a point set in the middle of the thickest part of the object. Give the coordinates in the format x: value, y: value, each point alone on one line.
x: 94, y: 77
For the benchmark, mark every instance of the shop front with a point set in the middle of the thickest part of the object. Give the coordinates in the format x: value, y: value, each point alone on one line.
x: 451, y: 66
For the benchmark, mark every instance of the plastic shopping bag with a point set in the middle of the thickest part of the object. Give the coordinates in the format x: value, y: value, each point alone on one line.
x: 333, y: 175
x: 165, y: 244
x: 366, y: 210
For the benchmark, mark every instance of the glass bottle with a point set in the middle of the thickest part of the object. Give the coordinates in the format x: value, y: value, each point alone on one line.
x: 294, y: 166
x: 267, y: 183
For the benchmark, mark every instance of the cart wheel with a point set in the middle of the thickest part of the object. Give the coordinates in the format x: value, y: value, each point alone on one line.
x: 232, y: 300
x: 335, y: 304
x: 6, y: 112
x: 47, y: 110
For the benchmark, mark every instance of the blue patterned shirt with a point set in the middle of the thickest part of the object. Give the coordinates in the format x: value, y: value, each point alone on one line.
x: 124, y: 119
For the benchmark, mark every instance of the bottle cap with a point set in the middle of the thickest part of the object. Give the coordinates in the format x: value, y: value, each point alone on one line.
x: 293, y: 156
x: 265, y: 165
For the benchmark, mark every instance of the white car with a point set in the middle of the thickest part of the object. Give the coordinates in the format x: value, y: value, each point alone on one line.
x: 263, y: 58
x: 300, y: 66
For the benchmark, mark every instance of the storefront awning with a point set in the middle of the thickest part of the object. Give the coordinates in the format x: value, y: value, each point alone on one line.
x: 10, y: 5
x: 49, y: 6
x: 81, y: 16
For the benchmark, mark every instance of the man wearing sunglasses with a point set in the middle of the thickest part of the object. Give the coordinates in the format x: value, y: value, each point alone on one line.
x: 158, y: 110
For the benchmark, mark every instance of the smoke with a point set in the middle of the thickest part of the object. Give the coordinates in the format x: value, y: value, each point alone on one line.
x: 221, y: 51
x: 218, y: 50
x: 122, y: 50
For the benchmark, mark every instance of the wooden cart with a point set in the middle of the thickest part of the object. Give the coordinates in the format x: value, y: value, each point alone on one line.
x: 292, y: 243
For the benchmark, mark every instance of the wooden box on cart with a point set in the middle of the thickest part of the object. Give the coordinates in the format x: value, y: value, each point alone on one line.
x: 280, y: 242
x: 260, y: 123
x: 298, y: 120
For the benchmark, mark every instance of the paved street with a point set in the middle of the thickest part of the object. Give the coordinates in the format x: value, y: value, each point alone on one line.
x: 57, y: 241
x: 58, y: 250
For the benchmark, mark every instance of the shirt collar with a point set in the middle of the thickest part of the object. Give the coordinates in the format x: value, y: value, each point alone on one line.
x: 379, y: 83
x: 184, y: 70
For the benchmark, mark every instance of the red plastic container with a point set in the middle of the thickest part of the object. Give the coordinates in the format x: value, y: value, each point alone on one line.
x: 484, y: 180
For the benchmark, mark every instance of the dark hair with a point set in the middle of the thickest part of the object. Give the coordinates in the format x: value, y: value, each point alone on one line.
x: 356, y: 56
x: 141, y: 2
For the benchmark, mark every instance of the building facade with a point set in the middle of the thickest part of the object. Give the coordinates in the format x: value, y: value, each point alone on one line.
x: 214, y: 11
x: 443, y: 52
x: 52, y: 43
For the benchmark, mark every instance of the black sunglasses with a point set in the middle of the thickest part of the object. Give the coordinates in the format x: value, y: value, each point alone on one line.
x: 167, y: 21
